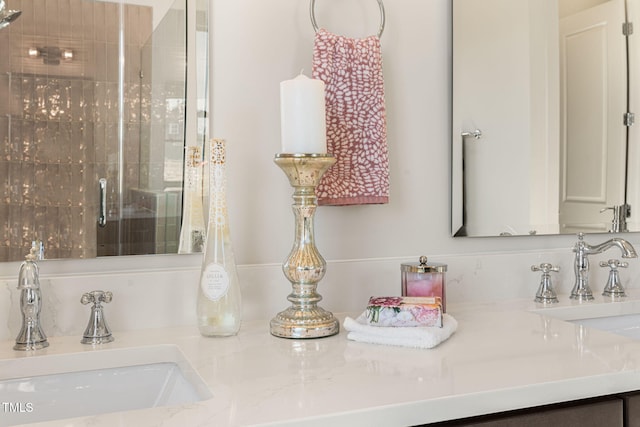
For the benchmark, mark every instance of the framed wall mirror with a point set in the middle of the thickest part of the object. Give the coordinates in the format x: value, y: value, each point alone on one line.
x: 542, y: 137
x: 93, y: 125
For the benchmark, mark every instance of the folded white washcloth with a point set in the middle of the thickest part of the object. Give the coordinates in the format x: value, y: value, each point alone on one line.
x: 417, y: 337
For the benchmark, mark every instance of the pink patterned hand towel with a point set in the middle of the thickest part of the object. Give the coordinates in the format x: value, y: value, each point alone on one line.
x: 356, y: 120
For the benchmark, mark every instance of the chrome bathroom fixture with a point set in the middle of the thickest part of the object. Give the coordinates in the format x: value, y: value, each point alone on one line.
x: 304, y: 267
x: 620, y: 215
x: 102, y: 190
x: 581, y: 290
x: 97, y: 331
x: 476, y: 134
x: 7, y: 16
x: 31, y: 336
x: 312, y: 13
x: 546, y: 294
x: 51, y: 55
x: 614, y: 288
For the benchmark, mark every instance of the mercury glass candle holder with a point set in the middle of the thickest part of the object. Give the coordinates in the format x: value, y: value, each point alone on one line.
x: 304, y: 267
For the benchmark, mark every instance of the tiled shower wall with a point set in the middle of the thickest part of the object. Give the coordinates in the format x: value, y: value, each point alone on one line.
x: 61, y: 121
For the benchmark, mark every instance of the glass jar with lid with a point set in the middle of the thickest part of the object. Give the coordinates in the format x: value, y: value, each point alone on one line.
x: 422, y: 279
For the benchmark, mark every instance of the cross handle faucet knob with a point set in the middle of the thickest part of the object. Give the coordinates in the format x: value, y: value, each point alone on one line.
x: 97, y: 331
x: 546, y: 294
x: 545, y: 267
x: 614, y: 264
x: 96, y: 297
x: 614, y: 288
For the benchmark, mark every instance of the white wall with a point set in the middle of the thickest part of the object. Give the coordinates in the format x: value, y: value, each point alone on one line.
x: 507, y: 86
x: 545, y: 115
x: 492, y: 76
x: 257, y: 44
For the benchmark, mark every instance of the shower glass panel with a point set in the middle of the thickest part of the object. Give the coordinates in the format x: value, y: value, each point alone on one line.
x: 85, y: 103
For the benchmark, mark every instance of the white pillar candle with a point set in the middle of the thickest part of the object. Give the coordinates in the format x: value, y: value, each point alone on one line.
x: 302, y: 116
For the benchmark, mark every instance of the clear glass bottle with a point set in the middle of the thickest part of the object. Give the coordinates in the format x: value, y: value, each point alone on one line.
x: 219, y: 306
x: 192, y: 233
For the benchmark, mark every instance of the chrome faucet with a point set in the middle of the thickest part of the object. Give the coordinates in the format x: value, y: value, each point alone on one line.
x: 31, y: 336
x: 97, y: 331
x: 581, y: 290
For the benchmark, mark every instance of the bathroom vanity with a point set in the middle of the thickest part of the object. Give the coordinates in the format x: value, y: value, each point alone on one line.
x: 505, y: 356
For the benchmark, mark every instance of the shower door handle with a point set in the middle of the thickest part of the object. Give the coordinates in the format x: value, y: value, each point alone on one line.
x: 102, y: 216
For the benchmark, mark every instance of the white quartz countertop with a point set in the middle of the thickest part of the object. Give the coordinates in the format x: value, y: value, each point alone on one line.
x: 503, y: 356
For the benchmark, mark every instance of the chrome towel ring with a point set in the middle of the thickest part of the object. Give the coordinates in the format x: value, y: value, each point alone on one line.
x: 312, y: 12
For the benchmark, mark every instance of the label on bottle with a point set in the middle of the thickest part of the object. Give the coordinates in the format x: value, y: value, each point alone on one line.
x: 215, y: 282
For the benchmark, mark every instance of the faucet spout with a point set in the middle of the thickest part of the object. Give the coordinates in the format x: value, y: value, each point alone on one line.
x: 581, y: 290
x: 627, y: 249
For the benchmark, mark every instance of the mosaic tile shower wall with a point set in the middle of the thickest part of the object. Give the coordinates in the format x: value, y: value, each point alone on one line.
x: 60, y: 120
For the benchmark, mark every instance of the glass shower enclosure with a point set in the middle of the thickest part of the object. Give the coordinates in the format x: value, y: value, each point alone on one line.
x: 92, y: 128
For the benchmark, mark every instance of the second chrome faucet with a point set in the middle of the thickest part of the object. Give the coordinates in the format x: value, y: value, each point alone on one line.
x: 581, y: 290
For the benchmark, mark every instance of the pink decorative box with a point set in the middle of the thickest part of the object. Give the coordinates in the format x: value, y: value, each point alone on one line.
x: 404, y: 311
x: 424, y: 280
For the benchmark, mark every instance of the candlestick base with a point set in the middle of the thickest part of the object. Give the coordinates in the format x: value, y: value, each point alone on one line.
x: 304, y: 267
x: 304, y: 323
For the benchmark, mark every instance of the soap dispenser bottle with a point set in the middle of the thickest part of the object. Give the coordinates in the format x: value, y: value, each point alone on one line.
x: 219, y: 308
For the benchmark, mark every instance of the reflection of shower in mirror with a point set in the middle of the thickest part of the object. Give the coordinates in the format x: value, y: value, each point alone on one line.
x: 7, y: 16
x: 75, y: 109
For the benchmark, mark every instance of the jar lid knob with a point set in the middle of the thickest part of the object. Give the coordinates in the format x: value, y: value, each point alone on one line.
x: 423, y: 261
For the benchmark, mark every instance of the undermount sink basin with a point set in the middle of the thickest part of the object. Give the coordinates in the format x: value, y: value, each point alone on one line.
x: 44, y: 388
x: 618, y: 317
x: 626, y: 325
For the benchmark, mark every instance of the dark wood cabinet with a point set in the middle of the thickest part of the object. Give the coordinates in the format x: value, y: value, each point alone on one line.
x: 632, y: 409
x: 611, y: 411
